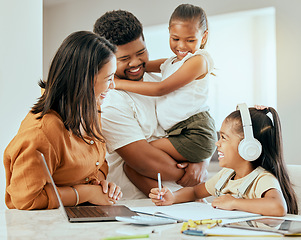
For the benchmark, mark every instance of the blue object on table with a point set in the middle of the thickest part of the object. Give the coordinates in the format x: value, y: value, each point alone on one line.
x: 194, y: 232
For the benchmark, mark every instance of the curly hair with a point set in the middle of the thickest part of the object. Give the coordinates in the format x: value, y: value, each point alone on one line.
x: 119, y: 27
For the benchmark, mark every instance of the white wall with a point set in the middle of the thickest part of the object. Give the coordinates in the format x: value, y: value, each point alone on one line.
x: 62, y: 19
x: 20, y: 67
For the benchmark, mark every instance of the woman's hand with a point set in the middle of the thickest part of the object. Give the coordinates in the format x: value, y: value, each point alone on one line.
x: 98, y: 197
x: 93, y: 193
x: 225, y: 202
x: 110, y: 188
x: 166, y: 195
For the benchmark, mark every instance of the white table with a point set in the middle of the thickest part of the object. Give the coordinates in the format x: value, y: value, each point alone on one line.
x: 50, y: 224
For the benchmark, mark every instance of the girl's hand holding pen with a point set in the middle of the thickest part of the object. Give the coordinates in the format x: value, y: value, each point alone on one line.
x: 167, y: 196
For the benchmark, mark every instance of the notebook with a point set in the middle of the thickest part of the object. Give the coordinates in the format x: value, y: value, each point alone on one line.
x: 193, y: 211
x: 90, y: 213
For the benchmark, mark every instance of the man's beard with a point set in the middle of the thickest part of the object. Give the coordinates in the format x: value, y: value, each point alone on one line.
x: 132, y: 78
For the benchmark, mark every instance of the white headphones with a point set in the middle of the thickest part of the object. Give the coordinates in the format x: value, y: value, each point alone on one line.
x: 249, y: 148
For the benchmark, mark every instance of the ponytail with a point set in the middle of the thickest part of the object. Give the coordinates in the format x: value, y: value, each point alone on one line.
x: 267, y: 129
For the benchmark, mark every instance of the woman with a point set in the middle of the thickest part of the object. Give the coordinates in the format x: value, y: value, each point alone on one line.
x: 64, y: 125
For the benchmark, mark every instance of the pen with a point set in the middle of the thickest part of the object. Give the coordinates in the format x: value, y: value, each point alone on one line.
x: 127, y: 237
x: 159, y: 184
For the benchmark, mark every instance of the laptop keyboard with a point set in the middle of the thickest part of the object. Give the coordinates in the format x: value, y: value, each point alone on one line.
x: 85, y: 211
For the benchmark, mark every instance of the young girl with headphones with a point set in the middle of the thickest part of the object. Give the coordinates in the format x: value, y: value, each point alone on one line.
x: 254, y: 176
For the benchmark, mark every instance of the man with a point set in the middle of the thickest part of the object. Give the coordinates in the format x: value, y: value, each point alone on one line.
x: 129, y: 120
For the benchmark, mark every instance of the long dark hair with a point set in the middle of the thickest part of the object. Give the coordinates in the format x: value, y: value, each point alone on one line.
x: 189, y: 12
x: 69, y: 89
x: 267, y: 130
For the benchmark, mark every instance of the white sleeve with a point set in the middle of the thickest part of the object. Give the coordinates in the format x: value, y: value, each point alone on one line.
x: 165, y: 65
x: 119, y: 125
x: 205, y: 54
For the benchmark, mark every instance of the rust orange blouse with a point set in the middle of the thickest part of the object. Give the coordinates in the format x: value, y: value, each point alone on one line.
x: 70, y: 159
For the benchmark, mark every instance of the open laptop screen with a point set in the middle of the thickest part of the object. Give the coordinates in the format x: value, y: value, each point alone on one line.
x: 91, y: 213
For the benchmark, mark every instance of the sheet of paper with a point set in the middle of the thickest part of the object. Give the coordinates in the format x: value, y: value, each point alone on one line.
x: 192, y: 210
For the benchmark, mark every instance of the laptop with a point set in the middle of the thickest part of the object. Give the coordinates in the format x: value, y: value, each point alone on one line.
x: 90, y: 213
